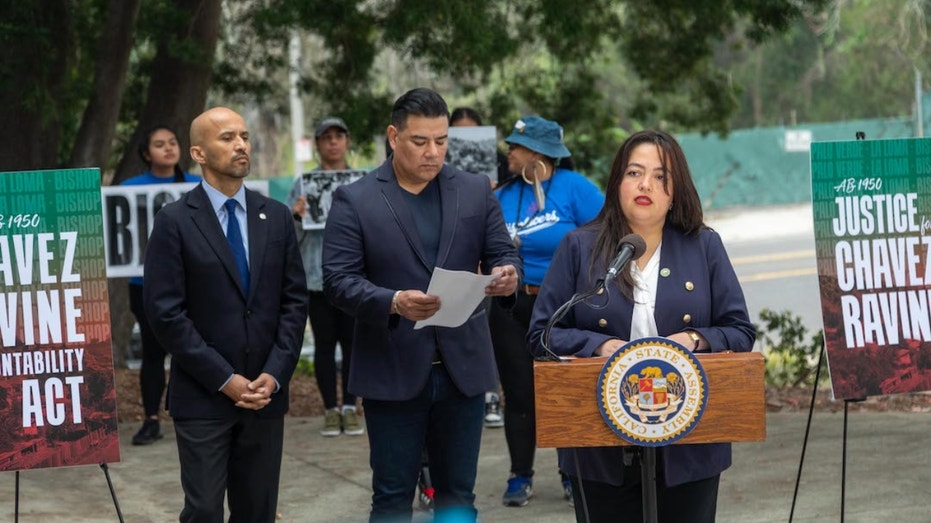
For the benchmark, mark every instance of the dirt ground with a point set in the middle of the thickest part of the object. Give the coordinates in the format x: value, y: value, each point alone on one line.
x: 790, y: 400
x: 305, y: 399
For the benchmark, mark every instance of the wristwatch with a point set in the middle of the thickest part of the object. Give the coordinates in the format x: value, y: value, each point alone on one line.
x: 695, y: 339
x: 394, y: 303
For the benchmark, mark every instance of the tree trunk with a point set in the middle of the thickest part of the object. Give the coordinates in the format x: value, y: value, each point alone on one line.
x: 178, y: 86
x: 98, y: 126
x: 176, y: 95
x: 35, y: 52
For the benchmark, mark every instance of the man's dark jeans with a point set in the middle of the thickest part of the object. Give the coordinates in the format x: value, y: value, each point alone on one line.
x: 449, y: 424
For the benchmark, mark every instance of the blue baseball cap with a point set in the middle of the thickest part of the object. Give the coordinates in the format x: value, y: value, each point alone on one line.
x: 539, y: 135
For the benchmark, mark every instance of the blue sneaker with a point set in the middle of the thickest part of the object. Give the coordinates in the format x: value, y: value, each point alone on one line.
x: 567, y: 490
x: 519, y: 492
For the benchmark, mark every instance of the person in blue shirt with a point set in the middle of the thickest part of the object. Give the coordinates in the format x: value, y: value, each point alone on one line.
x: 540, y: 204
x: 160, y: 151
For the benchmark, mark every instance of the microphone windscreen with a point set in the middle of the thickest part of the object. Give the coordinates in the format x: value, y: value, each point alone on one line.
x: 638, y: 243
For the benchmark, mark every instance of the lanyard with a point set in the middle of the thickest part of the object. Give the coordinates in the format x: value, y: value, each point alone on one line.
x: 520, y: 204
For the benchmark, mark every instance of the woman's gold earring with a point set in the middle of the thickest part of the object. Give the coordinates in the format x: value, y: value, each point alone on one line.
x: 523, y: 174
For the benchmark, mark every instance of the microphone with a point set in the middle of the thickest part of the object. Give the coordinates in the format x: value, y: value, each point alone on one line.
x: 632, y: 247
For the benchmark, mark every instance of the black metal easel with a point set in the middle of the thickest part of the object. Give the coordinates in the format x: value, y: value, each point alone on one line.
x: 106, y: 473
x: 860, y: 135
x: 811, y: 409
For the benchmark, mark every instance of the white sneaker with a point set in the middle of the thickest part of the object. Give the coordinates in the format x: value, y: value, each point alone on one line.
x: 493, y: 417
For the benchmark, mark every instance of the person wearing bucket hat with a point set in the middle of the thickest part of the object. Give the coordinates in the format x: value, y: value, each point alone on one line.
x: 540, y: 205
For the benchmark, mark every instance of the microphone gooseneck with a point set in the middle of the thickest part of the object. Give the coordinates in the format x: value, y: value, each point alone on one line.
x: 632, y: 247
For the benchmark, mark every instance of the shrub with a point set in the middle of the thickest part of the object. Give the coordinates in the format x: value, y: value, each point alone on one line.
x: 305, y: 367
x: 790, y: 361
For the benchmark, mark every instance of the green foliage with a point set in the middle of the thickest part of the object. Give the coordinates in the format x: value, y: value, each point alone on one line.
x: 790, y: 360
x: 456, y: 38
x: 592, y: 67
x: 853, y: 60
x: 601, y: 68
x: 305, y: 367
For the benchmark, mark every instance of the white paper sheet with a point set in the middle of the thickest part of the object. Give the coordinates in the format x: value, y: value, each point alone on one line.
x: 460, y: 292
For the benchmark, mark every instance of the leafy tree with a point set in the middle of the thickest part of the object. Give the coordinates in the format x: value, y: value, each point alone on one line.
x: 854, y: 60
x: 665, y: 48
x: 180, y: 73
x: 98, y: 124
x: 79, y: 80
x: 63, y: 60
x: 38, y: 56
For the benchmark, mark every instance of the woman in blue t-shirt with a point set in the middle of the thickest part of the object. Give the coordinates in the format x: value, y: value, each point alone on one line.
x: 160, y: 151
x: 540, y: 204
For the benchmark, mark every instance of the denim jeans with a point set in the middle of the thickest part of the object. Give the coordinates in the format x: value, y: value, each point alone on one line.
x: 450, y: 425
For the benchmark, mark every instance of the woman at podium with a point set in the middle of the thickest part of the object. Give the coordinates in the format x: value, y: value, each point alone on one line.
x: 683, y: 288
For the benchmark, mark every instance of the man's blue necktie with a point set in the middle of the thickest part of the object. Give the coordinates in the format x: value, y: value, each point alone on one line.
x: 234, y: 237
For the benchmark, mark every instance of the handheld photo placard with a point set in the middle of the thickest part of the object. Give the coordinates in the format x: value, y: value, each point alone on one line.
x: 652, y: 392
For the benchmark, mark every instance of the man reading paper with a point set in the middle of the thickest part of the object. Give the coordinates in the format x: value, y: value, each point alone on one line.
x: 385, y: 235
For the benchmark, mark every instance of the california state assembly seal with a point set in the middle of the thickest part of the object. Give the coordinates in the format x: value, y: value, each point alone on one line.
x: 652, y: 392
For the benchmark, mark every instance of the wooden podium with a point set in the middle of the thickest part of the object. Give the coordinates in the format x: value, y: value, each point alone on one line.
x: 568, y: 416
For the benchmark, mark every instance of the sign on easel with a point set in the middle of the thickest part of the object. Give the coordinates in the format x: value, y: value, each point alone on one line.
x: 872, y: 214
x: 57, y: 395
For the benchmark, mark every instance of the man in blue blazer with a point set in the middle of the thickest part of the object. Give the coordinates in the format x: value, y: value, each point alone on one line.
x: 225, y: 295
x: 384, y: 236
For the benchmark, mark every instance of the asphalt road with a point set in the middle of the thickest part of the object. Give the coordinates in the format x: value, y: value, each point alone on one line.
x: 773, y: 252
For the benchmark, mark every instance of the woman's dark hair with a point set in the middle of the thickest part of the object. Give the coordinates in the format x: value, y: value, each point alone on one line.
x: 611, y: 224
x: 146, y: 140
x: 460, y: 113
x: 418, y: 102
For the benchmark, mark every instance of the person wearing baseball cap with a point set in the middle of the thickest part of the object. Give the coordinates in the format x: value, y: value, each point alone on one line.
x: 331, y: 136
x: 329, y: 324
x: 542, y: 203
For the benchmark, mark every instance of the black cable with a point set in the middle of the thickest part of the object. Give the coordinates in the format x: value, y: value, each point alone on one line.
x: 548, y: 354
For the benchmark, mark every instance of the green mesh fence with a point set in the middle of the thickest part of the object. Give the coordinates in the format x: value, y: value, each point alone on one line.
x: 770, y: 166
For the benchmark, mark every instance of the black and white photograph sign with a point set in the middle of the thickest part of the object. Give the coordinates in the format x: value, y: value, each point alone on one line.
x: 474, y: 150
x: 317, y: 188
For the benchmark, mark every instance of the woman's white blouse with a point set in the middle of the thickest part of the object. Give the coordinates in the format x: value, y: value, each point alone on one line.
x: 643, y: 323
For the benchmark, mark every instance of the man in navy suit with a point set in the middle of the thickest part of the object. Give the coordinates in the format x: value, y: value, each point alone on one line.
x: 225, y: 295
x: 384, y: 236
